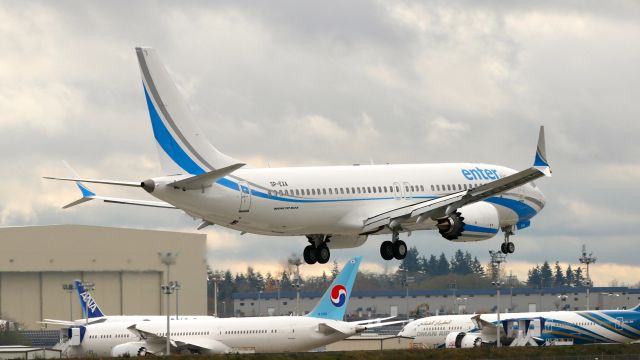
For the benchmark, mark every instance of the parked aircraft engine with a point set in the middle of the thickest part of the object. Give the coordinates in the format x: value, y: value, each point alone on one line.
x: 456, y: 340
x: 478, y: 221
x: 130, y: 349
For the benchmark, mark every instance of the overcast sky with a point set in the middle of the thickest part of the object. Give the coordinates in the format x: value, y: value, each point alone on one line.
x: 290, y: 83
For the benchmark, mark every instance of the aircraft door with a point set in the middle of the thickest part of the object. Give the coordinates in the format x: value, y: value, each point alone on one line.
x: 406, y: 187
x: 245, y: 196
x: 397, y: 191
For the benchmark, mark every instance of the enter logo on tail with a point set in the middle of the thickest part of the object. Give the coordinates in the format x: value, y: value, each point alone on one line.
x: 338, y: 295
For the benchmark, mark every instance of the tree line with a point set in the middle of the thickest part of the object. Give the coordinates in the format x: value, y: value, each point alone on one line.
x: 544, y: 276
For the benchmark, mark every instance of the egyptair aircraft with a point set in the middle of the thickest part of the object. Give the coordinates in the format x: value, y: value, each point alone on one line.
x: 332, y: 206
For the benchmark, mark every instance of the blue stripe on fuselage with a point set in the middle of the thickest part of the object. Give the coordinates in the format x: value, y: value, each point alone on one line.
x: 168, y: 143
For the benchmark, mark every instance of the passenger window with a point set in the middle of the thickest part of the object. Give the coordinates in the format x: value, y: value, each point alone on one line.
x: 330, y: 192
x: 449, y: 187
x: 421, y: 187
x: 398, y: 189
x: 412, y: 188
x: 324, y: 191
x: 353, y: 190
x: 379, y: 189
x: 432, y: 188
x: 286, y: 192
x: 406, y: 188
x: 385, y: 189
x: 341, y: 190
x: 369, y: 189
x: 297, y: 192
x: 308, y: 192
x: 374, y: 189
x: 347, y: 190
x: 359, y: 190
x: 313, y: 191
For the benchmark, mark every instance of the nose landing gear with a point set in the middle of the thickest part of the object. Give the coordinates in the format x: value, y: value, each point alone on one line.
x: 507, y: 247
x: 395, y: 248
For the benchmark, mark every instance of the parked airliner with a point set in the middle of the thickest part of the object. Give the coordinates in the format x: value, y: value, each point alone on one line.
x: 333, y: 206
x: 93, y: 314
x: 210, y: 335
x: 577, y: 327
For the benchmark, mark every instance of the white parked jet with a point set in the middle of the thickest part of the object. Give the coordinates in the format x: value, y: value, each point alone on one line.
x: 93, y: 314
x: 323, y: 325
x: 333, y: 206
x: 576, y: 327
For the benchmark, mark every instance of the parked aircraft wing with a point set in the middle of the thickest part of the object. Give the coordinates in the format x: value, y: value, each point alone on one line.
x: 445, y: 205
x: 180, y: 342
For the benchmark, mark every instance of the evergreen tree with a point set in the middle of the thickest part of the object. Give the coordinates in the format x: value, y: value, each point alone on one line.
x: 558, y: 276
x: 442, y: 268
x: 335, y: 270
x: 476, y: 267
x: 569, y: 277
x: 578, y: 278
x: 546, y: 276
x: 460, y: 263
x: 410, y: 262
x: 431, y: 267
x: 533, y: 278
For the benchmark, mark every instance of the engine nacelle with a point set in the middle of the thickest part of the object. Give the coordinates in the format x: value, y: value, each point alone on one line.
x: 478, y: 221
x: 130, y: 349
x: 457, y: 340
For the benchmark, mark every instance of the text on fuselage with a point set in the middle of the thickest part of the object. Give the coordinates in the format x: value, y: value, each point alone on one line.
x: 480, y: 174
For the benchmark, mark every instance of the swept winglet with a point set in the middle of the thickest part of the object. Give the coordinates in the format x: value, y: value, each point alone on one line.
x: 87, y: 195
x: 333, y: 303
x: 540, y: 161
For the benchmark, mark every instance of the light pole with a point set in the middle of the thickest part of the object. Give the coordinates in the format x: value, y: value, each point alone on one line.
x: 295, y: 261
x: 259, y: 302
x: 587, y: 259
x: 453, y: 287
x: 176, y: 286
x: 69, y: 289
x: 168, y: 259
x: 216, y: 279
x: 278, y: 303
x: 499, y: 325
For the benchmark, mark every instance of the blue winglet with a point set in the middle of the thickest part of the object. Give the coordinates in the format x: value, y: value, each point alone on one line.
x: 85, y: 190
x: 540, y: 162
x: 333, y: 303
x: 87, y: 303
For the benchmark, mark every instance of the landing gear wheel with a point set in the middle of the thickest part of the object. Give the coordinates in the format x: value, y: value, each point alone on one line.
x: 310, y: 254
x: 323, y: 254
x: 511, y: 247
x: 399, y: 250
x: 503, y: 248
x: 386, y: 250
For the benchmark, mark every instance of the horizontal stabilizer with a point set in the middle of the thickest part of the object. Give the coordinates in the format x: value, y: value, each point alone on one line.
x: 78, y: 202
x: 205, y: 180
x: 336, y: 327
x: 94, y: 181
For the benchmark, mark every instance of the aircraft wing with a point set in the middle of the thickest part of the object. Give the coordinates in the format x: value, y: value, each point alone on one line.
x: 181, y: 342
x: 369, y: 321
x: 445, y: 205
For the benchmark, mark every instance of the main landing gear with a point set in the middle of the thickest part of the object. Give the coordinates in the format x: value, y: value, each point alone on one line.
x: 318, y: 251
x: 507, y: 247
x: 395, y: 248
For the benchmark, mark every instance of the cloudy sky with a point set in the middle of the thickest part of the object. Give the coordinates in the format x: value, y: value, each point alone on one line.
x: 289, y: 83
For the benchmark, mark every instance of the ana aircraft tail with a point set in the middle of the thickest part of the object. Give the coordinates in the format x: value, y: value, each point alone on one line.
x: 182, y: 146
x: 90, y: 308
x: 333, y: 303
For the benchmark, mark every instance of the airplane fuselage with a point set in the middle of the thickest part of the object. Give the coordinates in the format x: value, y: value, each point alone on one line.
x: 336, y: 199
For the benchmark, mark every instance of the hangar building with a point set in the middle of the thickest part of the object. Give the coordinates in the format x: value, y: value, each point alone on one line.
x: 124, y: 265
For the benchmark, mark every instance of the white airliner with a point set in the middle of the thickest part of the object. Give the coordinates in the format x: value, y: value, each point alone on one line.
x: 333, y: 206
x: 210, y: 335
x: 576, y: 327
x: 93, y: 314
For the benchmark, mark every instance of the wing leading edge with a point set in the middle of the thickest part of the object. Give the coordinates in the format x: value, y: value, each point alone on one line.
x: 445, y: 205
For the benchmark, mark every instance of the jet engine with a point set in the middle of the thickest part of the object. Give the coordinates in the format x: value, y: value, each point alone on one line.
x: 456, y: 340
x: 130, y: 349
x: 478, y: 221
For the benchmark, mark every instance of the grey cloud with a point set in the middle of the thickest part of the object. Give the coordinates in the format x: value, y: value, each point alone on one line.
x: 253, y: 70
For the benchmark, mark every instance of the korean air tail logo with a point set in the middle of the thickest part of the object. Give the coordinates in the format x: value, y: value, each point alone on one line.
x: 338, y: 295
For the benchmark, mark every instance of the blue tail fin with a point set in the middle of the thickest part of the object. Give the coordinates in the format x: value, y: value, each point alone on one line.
x: 87, y: 303
x: 333, y: 303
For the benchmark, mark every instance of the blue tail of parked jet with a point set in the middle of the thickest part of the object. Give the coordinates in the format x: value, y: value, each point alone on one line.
x: 333, y: 303
x: 90, y: 308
